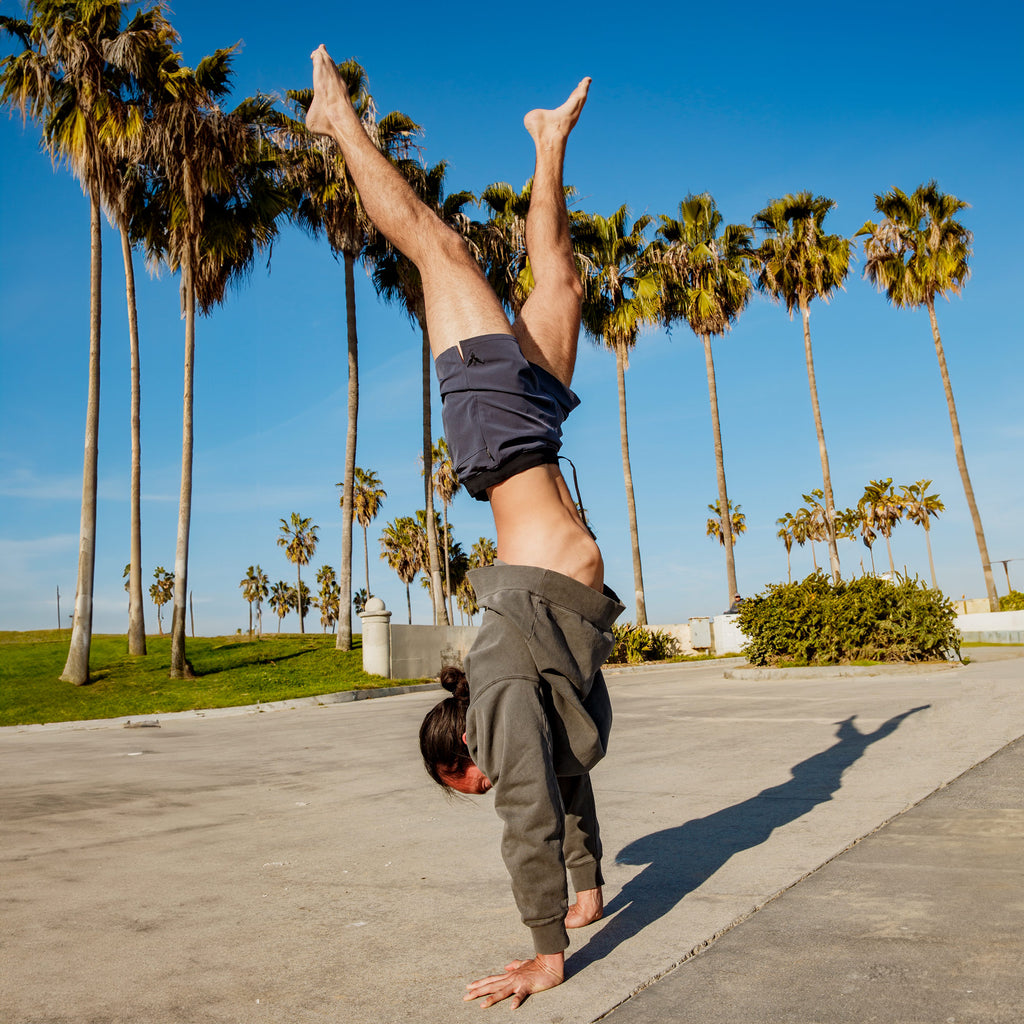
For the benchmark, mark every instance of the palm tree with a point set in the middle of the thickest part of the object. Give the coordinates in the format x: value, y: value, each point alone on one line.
x: 882, y: 509
x: 920, y: 250
x: 804, y: 530
x: 299, y: 539
x: 367, y: 497
x: 282, y: 599
x: 72, y: 74
x: 329, y: 204
x: 359, y: 599
x: 503, y: 241
x: 798, y: 263
x: 706, y: 284
x: 329, y: 597
x: 483, y: 552
x: 254, y: 590
x: 620, y: 295
x: 737, y: 522
x: 402, y: 548
x: 446, y: 486
x: 161, y: 592
x: 918, y: 506
x: 215, y: 181
x: 785, y: 534
x: 397, y: 280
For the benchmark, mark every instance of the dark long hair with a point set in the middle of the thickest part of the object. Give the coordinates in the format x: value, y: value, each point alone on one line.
x: 442, y: 730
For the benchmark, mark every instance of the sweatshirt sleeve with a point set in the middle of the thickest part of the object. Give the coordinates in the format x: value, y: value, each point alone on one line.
x: 510, y: 741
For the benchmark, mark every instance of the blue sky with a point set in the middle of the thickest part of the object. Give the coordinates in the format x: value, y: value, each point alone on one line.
x: 746, y: 101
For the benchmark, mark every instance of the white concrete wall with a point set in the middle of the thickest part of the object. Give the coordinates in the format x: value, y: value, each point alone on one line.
x: 680, y: 633
x: 995, y: 627
x: 726, y: 634
x: 420, y: 652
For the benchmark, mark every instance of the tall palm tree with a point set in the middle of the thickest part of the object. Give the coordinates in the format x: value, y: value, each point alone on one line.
x: 74, y: 74
x: 919, y: 506
x: 367, y: 497
x: 917, y: 251
x: 401, y: 547
x: 299, y: 539
x: 397, y: 280
x: 216, y: 182
x: 706, y: 285
x: 799, y: 262
x: 620, y: 295
x: 328, y: 204
x: 716, y: 528
x: 882, y: 509
x: 446, y: 486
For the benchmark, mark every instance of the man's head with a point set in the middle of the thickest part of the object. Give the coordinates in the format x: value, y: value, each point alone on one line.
x: 443, y: 739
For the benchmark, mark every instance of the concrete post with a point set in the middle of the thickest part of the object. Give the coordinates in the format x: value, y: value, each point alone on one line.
x: 376, y: 638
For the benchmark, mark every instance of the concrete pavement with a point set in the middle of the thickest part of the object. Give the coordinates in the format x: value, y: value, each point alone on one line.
x: 297, y: 865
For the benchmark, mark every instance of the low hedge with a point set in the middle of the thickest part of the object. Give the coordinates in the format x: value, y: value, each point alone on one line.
x: 1012, y: 602
x: 818, y: 622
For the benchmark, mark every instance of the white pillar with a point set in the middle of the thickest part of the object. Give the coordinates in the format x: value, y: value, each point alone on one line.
x: 376, y: 638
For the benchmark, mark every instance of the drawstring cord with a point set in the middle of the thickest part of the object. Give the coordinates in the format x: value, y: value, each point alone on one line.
x: 579, y: 499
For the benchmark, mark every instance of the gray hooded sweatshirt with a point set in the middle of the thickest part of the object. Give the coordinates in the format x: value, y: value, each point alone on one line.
x: 537, y: 722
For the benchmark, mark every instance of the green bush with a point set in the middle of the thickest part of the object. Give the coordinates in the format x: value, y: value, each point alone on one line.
x: 818, y: 622
x: 636, y: 644
x: 1013, y: 602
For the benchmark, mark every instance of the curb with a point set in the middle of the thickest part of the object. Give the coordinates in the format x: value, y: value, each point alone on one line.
x: 842, y: 671
x: 137, y: 722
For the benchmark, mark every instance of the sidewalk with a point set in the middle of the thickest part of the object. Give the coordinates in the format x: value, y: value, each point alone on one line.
x: 297, y: 866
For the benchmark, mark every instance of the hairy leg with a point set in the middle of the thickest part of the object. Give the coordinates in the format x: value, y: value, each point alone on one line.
x: 548, y: 325
x: 535, y: 516
x: 459, y: 301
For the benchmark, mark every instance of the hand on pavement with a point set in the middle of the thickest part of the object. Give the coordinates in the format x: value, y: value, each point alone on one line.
x: 521, y: 979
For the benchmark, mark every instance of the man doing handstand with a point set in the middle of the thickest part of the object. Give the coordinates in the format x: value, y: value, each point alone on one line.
x: 535, y: 716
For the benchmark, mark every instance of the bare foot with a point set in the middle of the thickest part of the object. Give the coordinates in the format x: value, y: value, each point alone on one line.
x: 553, y: 126
x: 588, y: 908
x: 328, y: 92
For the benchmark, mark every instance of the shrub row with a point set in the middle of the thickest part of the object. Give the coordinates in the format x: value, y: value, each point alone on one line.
x: 1013, y: 602
x: 818, y: 622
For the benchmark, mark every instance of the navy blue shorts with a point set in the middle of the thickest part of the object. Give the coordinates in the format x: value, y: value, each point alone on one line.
x: 502, y: 414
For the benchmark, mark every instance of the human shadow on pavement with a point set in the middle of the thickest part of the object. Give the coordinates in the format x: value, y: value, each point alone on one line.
x: 681, y: 858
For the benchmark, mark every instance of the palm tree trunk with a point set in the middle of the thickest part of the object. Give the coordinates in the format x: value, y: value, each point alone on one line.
x: 830, y: 508
x: 447, y: 563
x: 789, y: 569
x: 723, y: 497
x: 408, y: 602
x: 961, y: 462
x: 888, y: 546
x: 76, y: 668
x: 627, y: 474
x: 931, y: 561
x: 298, y: 594
x: 136, y: 614
x: 814, y: 557
x: 434, y: 562
x: 343, y: 641
x: 180, y: 668
x: 366, y: 560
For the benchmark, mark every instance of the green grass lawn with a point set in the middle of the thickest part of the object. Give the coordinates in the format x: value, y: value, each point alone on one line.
x: 230, y: 671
